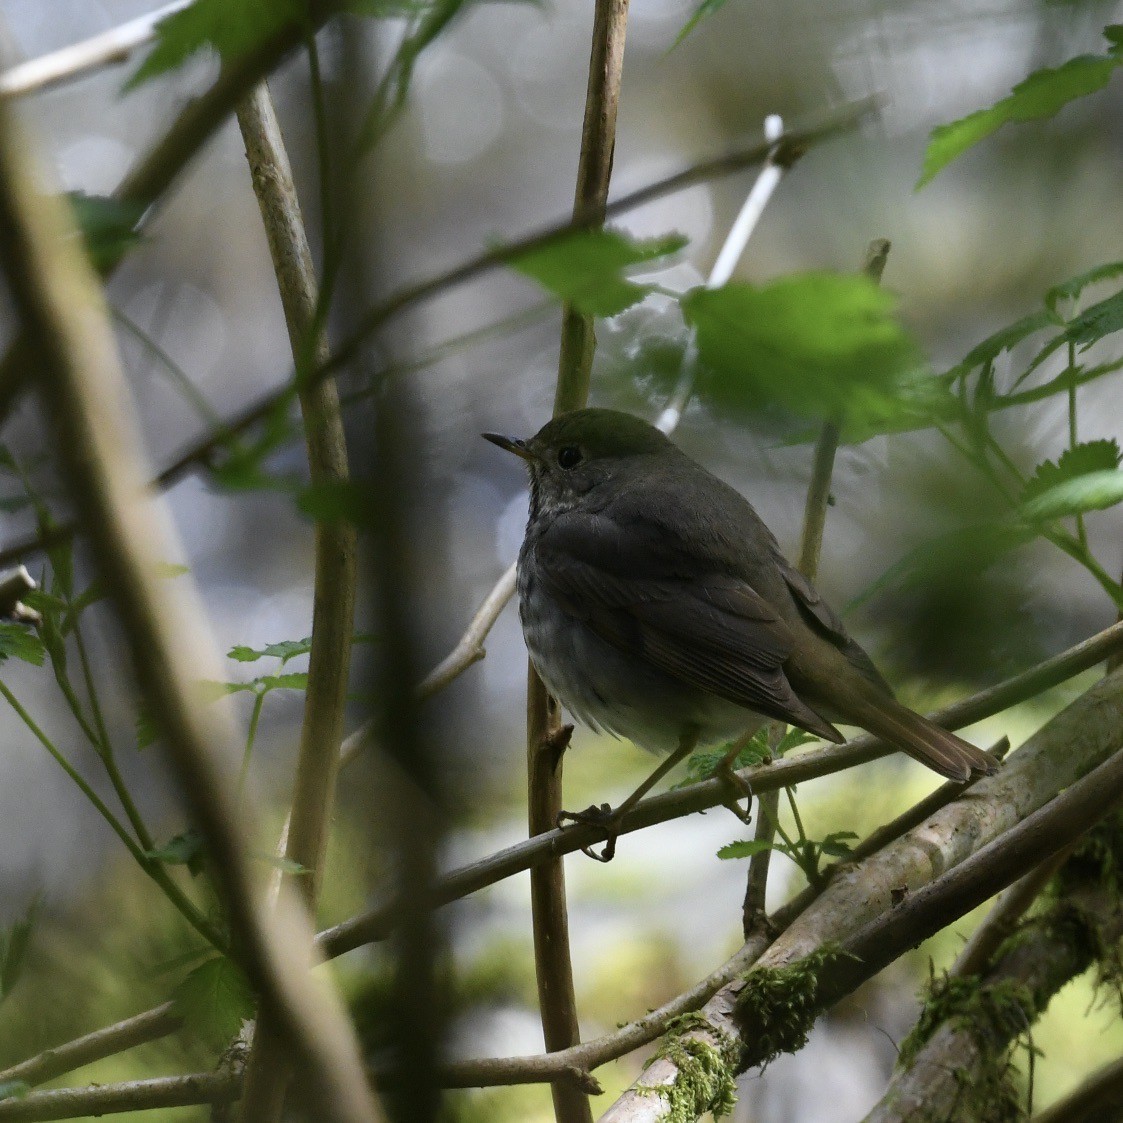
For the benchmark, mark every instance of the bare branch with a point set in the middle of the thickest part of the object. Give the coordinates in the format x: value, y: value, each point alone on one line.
x: 1100, y: 1097
x: 132, y: 1095
x: 329, y: 660
x: 107, y: 48
x: 60, y: 304
x: 375, y: 925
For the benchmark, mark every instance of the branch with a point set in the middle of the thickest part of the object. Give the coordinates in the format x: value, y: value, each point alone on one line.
x: 132, y: 1095
x: 377, y: 923
x: 955, y: 1066
x: 546, y: 740
x: 1100, y: 1097
x: 60, y: 305
x: 108, y: 48
x: 983, y: 840
x: 317, y: 767
x: 200, y: 453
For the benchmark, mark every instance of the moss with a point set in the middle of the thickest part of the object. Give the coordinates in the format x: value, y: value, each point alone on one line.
x: 994, y: 1013
x: 705, y: 1070
x: 778, y: 1006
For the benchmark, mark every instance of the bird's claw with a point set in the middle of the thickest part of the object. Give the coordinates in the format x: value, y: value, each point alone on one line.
x: 741, y: 787
x: 600, y: 815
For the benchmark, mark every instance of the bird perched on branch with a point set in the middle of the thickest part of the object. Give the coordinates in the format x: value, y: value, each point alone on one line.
x: 657, y: 606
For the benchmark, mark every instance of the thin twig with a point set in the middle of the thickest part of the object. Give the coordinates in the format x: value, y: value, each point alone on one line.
x: 132, y: 1095
x: 306, y: 830
x: 200, y: 453
x: 546, y: 739
x: 107, y: 48
x: 375, y: 924
x: 60, y: 304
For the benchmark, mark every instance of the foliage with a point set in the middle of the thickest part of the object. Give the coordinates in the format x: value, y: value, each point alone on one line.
x: 1041, y: 95
x: 214, y: 1000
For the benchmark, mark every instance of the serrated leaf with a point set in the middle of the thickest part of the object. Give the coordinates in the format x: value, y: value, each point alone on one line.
x: 1091, y: 456
x: 1041, y: 95
x: 1102, y: 318
x: 13, y: 1089
x: 703, y: 763
x: 229, y: 27
x: 836, y: 844
x: 214, y: 1000
x: 705, y: 9
x: 17, y: 642
x: 1093, y: 491
x: 814, y: 344
x: 211, y: 691
x: 284, y: 650
x: 586, y: 268
x: 1003, y: 340
x: 1074, y: 286
x: 746, y: 849
x: 295, y: 681
x: 108, y: 226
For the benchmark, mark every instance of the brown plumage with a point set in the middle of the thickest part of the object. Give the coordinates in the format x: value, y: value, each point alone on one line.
x: 657, y: 605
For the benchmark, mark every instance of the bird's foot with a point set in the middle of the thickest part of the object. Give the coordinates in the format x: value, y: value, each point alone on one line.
x: 599, y: 815
x: 739, y: 787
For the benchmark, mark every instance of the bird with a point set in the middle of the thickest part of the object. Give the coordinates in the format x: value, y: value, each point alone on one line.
x: 657, y: 606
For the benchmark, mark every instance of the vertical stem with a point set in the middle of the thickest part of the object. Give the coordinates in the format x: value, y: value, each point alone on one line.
x: 1081, y: 532
x: 335, y: 569
x: 545, y: 740
x: 811, y: 547
x: 62, y: 309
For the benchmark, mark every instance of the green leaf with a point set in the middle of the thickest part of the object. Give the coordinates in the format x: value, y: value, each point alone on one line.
x: 214, y: 1000
x: 285, y: 865
x: 14, y: 942
x: 1041, y: 95
x: 815, y: 344
x: 1074, y: 286
x: 1096, y: 321
x: 146, y: 731
x: 703, y: 763
x: 108, y: 226
x: 1093, y: 491
x: 19, y: 643
x: 168, y: 570
x: 1091, y: 456
x: 983, y: 354
x: 184, y: 849
x: 585, y: 268
x: 706, y: 8
x: 836, y: 844
x: 13, y: 1089
x: 748, y: 848
x: 284, y: 650
x: 230, y: 27
x: 294, y: 681
x: 971, y: 549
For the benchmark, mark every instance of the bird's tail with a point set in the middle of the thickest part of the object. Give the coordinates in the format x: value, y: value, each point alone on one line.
x: 940, y: 750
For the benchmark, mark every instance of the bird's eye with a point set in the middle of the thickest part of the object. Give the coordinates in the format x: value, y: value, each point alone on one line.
x: 569, y: 457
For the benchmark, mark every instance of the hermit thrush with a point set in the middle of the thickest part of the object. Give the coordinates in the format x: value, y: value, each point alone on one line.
x: 657, y: 606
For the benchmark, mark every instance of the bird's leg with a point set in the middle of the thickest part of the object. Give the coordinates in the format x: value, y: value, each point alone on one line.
x: 739, y: 784
x: 608, y: 818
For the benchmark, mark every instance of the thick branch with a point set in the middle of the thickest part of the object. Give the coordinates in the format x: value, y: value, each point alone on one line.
x: 1100, y: 1097
x: 982, y: 843
x: 60, y: 304
x: 133, y: 1095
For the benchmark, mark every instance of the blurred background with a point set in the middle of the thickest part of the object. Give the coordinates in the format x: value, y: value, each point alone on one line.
x: 486, y: 149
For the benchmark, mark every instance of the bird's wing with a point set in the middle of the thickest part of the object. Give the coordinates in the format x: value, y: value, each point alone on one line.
x: 713, y: 631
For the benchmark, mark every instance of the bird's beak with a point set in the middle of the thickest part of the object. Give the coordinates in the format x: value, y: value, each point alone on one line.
x: 509, y: 444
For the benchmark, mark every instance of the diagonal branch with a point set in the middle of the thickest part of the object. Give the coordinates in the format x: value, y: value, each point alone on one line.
x: 60, y: 304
